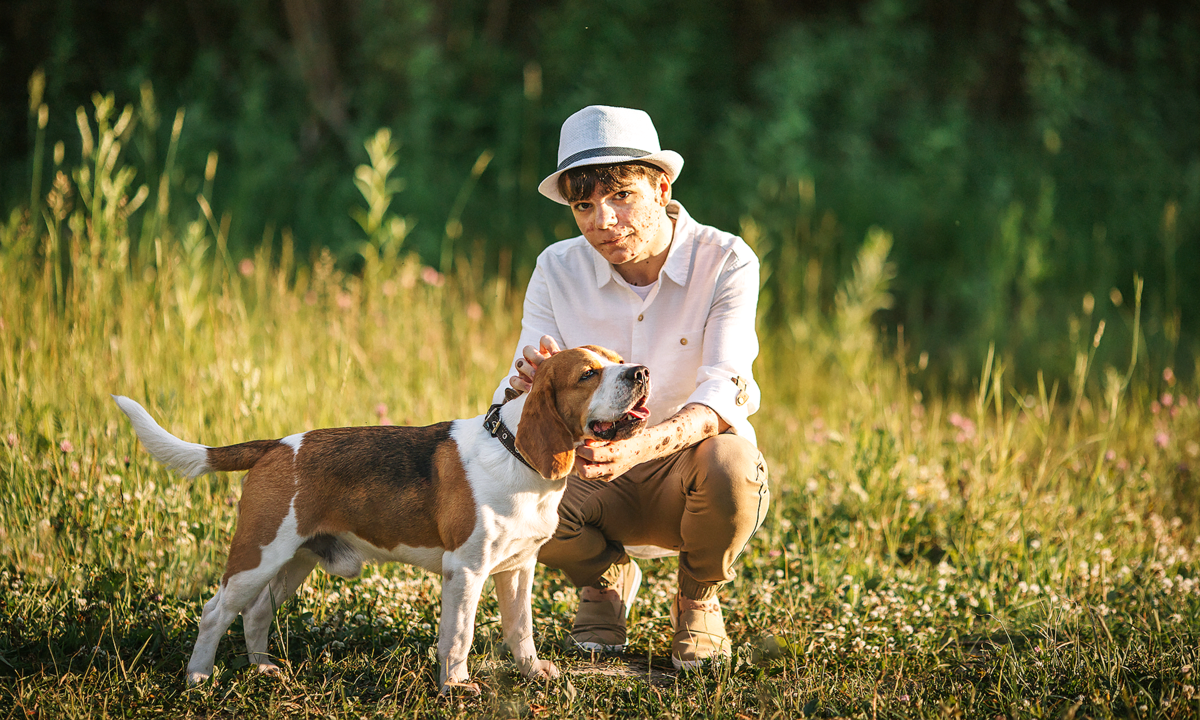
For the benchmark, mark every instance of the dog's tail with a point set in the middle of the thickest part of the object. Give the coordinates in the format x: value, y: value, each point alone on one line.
x: 190, y: 458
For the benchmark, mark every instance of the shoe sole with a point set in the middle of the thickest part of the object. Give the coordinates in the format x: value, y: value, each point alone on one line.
x: 592, y: 648
x: 688, y: 665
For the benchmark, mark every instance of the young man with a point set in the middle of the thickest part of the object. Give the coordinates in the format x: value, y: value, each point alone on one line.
x: 647, y: 281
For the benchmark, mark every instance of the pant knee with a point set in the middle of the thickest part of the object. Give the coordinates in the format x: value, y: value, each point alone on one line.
x: 728, y: 461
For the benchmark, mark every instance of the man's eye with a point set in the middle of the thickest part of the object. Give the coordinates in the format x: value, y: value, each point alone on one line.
x: 622, y: 195
x: 580, y: 207
x: 587, y: 374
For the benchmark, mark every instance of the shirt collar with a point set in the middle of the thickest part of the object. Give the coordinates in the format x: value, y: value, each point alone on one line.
x: 678, y: 265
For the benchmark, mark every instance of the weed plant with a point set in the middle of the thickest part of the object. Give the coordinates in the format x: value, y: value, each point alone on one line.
x: 1014, y: 553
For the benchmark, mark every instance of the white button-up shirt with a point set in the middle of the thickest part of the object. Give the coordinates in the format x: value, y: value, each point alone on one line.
x: 695, y: 329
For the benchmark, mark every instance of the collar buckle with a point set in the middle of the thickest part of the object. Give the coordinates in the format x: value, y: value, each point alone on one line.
x: 497, y: 429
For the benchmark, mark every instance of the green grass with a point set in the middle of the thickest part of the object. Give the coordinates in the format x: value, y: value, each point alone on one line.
x: 1010, y: 552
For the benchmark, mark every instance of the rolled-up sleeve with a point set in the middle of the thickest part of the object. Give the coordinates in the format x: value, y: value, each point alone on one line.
x: 725, y: 380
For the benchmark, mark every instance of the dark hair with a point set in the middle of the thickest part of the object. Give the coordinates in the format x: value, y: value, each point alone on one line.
x: 579, y: 183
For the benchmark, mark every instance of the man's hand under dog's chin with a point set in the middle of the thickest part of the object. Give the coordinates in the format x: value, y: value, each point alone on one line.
x: 603, y: 460
x: 600, y: 460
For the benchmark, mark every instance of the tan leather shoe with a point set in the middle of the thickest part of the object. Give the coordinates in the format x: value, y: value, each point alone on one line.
x: 600, y: 620
x: 699, y: 633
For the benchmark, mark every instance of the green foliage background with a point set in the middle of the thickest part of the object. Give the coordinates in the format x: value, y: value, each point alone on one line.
x: 1025, y: 156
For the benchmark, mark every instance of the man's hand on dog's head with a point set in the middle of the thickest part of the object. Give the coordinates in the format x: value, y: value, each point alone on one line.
x: 532, y: 357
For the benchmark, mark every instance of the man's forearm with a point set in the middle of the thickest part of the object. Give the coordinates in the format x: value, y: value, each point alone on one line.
x: 693, y: 423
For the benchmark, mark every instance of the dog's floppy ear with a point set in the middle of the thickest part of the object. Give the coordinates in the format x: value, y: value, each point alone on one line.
x: 542, y: 437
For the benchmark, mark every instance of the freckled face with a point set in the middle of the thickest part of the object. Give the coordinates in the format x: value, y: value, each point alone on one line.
x: 628, y: 224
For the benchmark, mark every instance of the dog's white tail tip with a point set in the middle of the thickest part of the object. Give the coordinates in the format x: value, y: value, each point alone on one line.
x: 189, y: 458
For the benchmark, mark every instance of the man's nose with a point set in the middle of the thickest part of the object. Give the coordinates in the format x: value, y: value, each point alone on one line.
x: 606, y: 216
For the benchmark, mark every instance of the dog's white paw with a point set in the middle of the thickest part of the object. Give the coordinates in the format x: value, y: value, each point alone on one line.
x: 195, y: 678
x: 270, y: 668
x: 540, y: 669
x: 459, y: 686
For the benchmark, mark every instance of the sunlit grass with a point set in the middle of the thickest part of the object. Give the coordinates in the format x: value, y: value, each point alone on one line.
x: 1025, y: 552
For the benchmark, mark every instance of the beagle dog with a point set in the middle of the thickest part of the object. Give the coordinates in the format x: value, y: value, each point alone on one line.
x: 467, y: 499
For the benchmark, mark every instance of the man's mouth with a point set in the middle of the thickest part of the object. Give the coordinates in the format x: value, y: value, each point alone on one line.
x: 608, y: 429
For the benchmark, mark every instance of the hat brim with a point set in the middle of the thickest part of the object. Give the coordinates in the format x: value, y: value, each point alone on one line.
x: 670, y: 161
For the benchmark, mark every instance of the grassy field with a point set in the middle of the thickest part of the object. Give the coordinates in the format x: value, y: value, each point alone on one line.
x: 1009, y: 553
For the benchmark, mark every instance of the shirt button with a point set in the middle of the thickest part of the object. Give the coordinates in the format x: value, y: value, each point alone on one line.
x: 683, y: 341
x: 640, y: 318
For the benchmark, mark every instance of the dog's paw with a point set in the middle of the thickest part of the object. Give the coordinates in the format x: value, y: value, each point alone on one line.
x: 195, y: 678
x: 455, y: 686
x: 540, y: 670
x: 270, y: 668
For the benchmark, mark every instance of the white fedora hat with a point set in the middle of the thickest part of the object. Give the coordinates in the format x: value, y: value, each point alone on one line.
x: 602, y: 135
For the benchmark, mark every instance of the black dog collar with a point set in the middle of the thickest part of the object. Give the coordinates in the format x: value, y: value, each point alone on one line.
x: 497, y: 429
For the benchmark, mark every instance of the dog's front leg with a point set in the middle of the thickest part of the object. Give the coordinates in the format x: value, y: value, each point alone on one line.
x: 461, y: 588
x: 514, y: 592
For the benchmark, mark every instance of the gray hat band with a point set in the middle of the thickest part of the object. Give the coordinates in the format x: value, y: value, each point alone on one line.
x: 602, y: 152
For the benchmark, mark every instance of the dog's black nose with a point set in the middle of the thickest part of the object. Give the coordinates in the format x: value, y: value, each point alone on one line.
x: 638, y: 374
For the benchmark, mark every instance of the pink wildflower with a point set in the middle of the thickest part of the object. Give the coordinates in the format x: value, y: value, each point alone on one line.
x: 246, y: 267
x: 1161, y: 439
x: 66, y: 446
x: 966, y: 427
x: 432, y: 277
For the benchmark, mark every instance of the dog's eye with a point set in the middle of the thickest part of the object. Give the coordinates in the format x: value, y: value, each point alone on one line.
x: 587, y: 374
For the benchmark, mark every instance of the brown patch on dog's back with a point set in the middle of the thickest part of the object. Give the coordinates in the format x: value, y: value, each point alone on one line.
x: 384, y: 485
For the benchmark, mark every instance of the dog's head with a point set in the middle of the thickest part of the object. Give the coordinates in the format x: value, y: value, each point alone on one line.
x: 577, y: 394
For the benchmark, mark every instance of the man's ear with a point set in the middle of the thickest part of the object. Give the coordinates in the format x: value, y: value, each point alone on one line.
x: 542, y: 437
x: 664, y: 190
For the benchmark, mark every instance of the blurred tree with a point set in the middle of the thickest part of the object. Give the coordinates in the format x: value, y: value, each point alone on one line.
x: 1021, y: 153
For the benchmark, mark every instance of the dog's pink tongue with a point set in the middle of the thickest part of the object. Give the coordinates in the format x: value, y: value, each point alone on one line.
x: 641, y: 412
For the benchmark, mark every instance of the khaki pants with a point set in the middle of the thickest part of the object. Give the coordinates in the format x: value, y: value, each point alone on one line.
x: 704, y: 502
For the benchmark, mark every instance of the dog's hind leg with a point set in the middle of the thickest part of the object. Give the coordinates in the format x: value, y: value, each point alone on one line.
x: 257, y: 618
x: 242, y: 584
x: 235, y: 593
x: 514, y: 591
